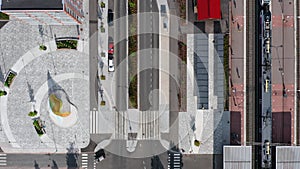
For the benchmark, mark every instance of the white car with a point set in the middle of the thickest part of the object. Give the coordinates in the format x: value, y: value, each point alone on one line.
x: 111, y: 66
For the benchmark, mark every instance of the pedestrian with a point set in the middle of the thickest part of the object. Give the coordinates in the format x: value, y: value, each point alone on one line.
x: 234, y: 3
x: 238, y: 26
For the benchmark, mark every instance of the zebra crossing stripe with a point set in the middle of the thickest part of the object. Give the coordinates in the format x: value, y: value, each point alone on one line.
x: 91, y: 122
x: 84, y: 161
x: 3, y: 160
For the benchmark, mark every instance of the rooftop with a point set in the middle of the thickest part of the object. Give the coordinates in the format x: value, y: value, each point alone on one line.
x: 31, y: 5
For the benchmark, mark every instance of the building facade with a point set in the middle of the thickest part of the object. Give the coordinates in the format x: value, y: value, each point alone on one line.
x: 36, y: 12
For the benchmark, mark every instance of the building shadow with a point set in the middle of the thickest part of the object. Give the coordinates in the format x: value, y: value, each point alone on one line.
x: 2, y: 23
x: 36, y: 165
x: 72, y: 156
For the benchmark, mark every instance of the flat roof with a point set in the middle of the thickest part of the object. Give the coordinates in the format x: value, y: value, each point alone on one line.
x: 209, y: 9
x: 32, y: 5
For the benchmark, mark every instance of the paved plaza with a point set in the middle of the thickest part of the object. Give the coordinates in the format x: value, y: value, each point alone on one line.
x: 39, y: 72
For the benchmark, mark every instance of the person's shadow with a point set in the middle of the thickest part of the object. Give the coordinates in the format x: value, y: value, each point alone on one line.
x: 36, y: 165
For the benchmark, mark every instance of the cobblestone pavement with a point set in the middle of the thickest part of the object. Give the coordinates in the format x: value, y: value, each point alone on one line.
x: 16, y: 39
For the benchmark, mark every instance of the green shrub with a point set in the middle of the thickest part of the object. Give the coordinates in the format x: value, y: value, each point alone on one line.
x: 133, y: 92
x: 102, y: 103
x: 43, y: 47
x: 102, y: 77
x: 32, y: 113
x: 3, y: 93
x: 102, y: 29
x: 3, y: 16
x: 102, y: 5
x: 197, y: 143
x: 66, y: 44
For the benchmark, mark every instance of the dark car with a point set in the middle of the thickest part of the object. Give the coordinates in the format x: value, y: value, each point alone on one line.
x: 99, y: 155
x: 110, y: 17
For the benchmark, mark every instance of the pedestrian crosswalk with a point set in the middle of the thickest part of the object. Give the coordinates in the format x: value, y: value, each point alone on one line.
x: 84, y: 161
x: 94, y: 122
x: 3, y: 160
x: 149, y: 123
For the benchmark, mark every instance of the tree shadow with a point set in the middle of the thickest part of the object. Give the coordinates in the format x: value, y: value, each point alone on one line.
x: 30, y: 91
x: 53, y: 87
x: 156, y: 163
x: 72, y: 156
x: 1, y: 76
x: 54, y: 165
x: 36, y: 165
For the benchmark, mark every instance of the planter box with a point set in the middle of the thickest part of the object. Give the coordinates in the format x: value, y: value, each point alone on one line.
x: 9, y: 78
x: 38, y: 127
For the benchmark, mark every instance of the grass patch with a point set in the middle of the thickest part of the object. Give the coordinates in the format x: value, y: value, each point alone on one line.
x: 226, y: 72
x: 182, y: 9
x: 3, y: 16
x: 132, y: 49
x: 9, y: 79
x: 66, y: 44
x: 182, y: 54
x: 133, y: 92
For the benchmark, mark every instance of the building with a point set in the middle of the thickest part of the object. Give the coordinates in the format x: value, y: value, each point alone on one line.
x: 205, y: 126
x: 208, y: 9
x: 36, y: 12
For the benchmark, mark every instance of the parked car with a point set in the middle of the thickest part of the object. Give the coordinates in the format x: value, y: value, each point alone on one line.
x: 111, y: 66
x: 110, y: 17
x: 99, y: 155
x: 111, y: 48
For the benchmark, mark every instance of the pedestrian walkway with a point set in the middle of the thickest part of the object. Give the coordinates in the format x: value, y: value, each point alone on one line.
x: 3, y: 160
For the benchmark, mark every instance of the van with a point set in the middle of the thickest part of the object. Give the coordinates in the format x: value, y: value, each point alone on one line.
x: 111, y: 66
x: 267, y: 83
x: 267, y: 45
x: 267, y: 147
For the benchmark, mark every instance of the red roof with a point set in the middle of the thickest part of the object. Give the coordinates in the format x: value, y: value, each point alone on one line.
x: 209, y: 9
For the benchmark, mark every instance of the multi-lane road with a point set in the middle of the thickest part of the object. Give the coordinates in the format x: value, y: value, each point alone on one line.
x: 120, y: 54
x: 93, y: 54
x: 148, y: 30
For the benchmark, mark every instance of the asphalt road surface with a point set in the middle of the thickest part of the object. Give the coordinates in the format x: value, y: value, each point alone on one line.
x: 148, y: 55
x: 141, y: 158
x: 93, y: 50
x: 40, y: 160
x: 120, y: 52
